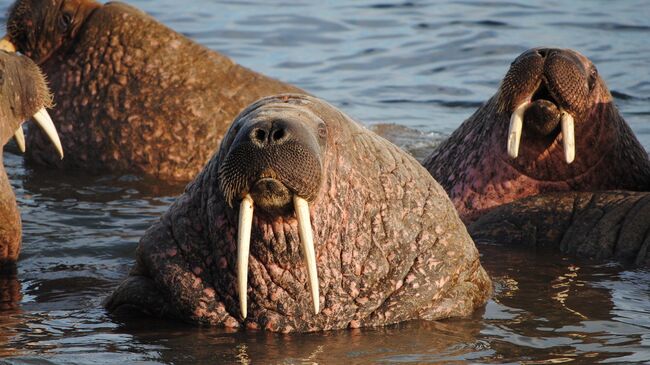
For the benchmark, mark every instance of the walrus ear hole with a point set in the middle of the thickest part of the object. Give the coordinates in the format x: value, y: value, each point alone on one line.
x: 65, y: 21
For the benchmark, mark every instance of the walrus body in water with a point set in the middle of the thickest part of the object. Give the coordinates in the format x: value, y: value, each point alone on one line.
x: 551, y: 126
x: 530, y: 167
x: 306, y: 221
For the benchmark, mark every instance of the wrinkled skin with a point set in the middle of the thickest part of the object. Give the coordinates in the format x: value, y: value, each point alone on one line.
x: 594, y: 225
x: 23, y: 92
x: 473, y: 164
x: 389, y: 244
x: 131, y: 95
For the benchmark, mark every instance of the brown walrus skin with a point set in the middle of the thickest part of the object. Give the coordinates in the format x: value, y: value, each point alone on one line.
x: 473, y: 164
x: 131, y: 95
x: 389, y: 245
x: 23, y: 92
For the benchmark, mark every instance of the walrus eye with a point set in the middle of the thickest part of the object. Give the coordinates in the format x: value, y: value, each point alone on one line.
x: 593, y: 75
x: 64, y: 22
x: 322, y: 131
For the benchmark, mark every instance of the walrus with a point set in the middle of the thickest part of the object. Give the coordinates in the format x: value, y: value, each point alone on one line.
x: 24, y: 95
x: 601, y: 225
x: 131, y: 95
x: 551, y: 126
x: 306, y: 221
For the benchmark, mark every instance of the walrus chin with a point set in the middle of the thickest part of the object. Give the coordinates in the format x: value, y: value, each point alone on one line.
x: 245, y: 223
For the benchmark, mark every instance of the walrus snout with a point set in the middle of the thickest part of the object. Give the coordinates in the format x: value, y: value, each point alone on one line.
x: 272, y: 156
x: 547, y: 87
x: 26, y: 95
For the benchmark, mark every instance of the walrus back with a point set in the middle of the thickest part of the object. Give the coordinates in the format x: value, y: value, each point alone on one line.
x: 133, y: 95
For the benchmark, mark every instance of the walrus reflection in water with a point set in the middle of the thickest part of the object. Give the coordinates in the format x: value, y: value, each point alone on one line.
x: 23, y: 95
x: 306, y: 221
x: 131, y: 95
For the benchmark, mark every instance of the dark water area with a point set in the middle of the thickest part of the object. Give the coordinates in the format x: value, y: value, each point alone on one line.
x: 424, y: 66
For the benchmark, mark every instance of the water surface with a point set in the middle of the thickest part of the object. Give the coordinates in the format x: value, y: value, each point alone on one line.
x: 425, y: 66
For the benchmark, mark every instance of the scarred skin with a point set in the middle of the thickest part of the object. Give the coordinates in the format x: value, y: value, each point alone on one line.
x: 594, y: 225
x: 131, y: 95
x: 389, y: 244
x: 473, y: 165
x: 23, y: 92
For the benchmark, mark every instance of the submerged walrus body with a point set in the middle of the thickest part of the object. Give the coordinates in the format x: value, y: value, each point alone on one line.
x: 131, y: 95
x: 305, y: 221
x: 552, y: 126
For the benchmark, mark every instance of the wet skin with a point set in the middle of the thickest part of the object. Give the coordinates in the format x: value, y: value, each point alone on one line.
x: 131, y: 95
x: 389, y: 246
x: 477, y: 169
x: 593, y: 225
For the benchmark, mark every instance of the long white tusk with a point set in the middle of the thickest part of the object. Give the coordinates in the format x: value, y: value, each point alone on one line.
x: 6, y: 45
x: 515, y: 129
x: 45, y: 122
x: 19, y: 137
x: 307, y: 239
x: 568, y: 136
x: 243, y: 249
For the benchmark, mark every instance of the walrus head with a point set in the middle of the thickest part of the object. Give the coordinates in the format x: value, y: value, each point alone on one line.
x: 38, y: 28
x: 273, y: 161
x: 551, y: 126
x: 552, y: 97
x: 24, y: 94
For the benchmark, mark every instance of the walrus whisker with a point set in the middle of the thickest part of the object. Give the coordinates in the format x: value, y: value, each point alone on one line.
x: 243, y: 249
x: 515, y: 129
x: 42, y: 118
x: 19, y: 137
x: 301, y: 207
x: 568, y: 136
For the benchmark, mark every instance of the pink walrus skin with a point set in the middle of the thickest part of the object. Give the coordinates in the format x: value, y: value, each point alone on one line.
x: 389, y: 245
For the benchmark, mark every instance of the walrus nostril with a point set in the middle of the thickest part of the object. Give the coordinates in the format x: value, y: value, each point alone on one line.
x: 277, y: 135
x: 258, y: 135
x: 546, y: 52
x: 264, y: 136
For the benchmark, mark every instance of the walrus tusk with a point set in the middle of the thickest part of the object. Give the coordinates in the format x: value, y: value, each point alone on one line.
x: 243, y: 249
x: 568, y: 136
x: 307, y: 240
x: 515, y: 129
x: 6, y: 45
x: 45, y: 122
x: 19, y: 137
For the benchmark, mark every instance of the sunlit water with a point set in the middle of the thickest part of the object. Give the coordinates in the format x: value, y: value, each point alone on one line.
x: 427, y: 66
